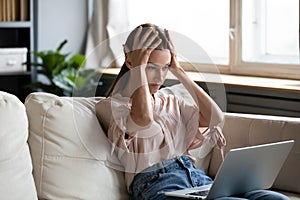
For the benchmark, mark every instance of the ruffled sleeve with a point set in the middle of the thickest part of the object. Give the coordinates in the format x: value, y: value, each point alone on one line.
x: 207, y: 140
x: 120, y: 110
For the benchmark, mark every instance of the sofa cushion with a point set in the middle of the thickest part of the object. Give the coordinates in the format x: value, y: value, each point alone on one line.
x: 291, y: 195
x: 249, y: 129
x: 70, y: 151
x: 16, y: 178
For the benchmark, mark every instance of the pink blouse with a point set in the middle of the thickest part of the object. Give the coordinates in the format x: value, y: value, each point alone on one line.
x: 174, y: 131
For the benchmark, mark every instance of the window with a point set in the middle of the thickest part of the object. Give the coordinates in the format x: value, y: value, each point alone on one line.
x: 270, y: 31
x: 189, y: 20
x: 249, y: 37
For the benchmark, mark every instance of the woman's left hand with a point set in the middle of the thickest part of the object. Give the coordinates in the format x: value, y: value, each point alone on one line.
x: 174, y: 65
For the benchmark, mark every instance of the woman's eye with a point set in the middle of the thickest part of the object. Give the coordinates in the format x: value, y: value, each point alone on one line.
x: 151, y: 67
x: 165, y: 68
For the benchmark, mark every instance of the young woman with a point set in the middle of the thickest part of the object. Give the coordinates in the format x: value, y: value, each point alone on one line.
x: 152, y: 132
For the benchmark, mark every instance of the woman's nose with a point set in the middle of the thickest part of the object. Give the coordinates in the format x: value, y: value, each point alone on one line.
x: 159, y: 75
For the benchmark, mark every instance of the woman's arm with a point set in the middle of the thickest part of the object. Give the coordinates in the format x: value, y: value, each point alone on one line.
x: 210, y: 113
x: 136, y: 59
x: 141, y: 101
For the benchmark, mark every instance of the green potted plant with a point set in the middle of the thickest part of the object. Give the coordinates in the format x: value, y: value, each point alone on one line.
x: 66, y: 76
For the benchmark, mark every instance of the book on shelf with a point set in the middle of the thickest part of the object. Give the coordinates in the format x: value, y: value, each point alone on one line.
x: 24, y: 8
x: 3, y: 9
x: 8, y: 10
x: 14, y: 10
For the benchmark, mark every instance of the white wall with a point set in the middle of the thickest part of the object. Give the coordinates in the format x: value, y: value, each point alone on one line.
x: 61, y: 19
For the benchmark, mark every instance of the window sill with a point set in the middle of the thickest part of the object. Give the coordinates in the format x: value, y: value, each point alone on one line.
x: 286, y: 85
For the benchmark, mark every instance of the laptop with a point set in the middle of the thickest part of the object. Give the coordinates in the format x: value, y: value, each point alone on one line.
x: 243, y: 169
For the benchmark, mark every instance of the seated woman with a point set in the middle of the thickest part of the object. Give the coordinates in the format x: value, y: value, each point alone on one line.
x: 152, y: 132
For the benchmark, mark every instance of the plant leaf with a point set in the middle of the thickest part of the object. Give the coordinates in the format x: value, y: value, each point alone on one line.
x: 62, y: 44
x: 61, y: 82
x: 64, y: 74
x: 77, y: 60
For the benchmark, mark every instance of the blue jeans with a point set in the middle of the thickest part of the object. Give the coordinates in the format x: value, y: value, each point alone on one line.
x: 180, y: 173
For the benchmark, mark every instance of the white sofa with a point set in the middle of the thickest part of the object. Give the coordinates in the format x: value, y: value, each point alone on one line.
x: 70, y: 155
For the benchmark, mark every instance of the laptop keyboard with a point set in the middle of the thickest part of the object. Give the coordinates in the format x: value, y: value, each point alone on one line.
x: 199, y: 193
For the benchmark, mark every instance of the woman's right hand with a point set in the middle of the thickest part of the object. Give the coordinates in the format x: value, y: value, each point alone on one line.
x: 142, y: 47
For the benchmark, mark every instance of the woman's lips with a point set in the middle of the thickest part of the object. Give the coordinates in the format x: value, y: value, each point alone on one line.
x: 155, y: 85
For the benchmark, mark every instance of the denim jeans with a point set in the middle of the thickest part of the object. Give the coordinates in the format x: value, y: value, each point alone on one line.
x: 180, y: 173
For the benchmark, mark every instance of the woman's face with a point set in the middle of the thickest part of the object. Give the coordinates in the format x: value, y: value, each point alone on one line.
x: 157, y: 69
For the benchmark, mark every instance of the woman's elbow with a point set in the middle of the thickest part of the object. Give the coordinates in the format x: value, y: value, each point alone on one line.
x: 215, y: 119
x: 220, y: 118
x: 142, y: 120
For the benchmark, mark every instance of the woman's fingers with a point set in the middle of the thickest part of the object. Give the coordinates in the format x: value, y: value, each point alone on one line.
x: 126, y: 49
x: 145, y: 38
x: 168, y: 35
x: 170, y: 41
x: 148, y: 40
x: 174, y: 62
x: 154, y: 45
x: 151, y: 40
x: 136, y: 38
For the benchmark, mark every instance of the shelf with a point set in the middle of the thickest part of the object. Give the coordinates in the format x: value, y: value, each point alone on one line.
x: 15, y: 73
x: 17, y: 24
x: 16, y: 84
x: 18, y: 34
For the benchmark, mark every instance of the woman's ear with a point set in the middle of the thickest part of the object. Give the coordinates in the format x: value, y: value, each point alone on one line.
x: 128, y: 62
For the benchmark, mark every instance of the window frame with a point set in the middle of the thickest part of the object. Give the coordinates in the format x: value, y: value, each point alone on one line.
x: 253, y: 68
x: 236, y: 65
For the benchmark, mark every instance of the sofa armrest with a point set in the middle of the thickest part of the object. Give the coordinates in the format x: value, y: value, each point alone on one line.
x: 16, y: 178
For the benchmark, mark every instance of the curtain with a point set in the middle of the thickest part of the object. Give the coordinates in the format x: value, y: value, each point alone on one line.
x: 106, y: 33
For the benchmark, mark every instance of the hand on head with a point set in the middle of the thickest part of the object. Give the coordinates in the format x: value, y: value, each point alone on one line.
x: 144, y: 42
x: 174, y: 62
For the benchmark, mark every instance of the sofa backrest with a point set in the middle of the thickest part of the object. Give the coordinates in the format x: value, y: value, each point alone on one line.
x: 70, y: 151
x: 16, y: 180
x: 67, y: 144
x: 247, y: 129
